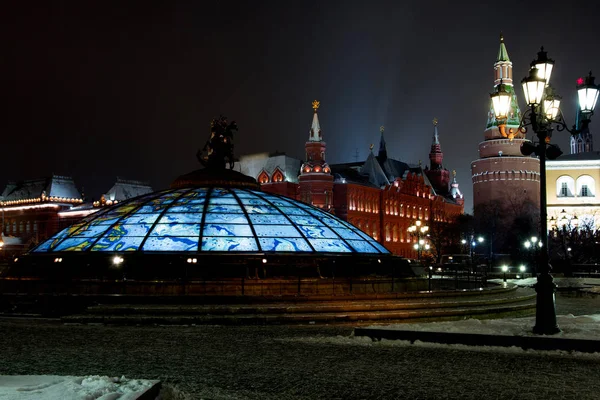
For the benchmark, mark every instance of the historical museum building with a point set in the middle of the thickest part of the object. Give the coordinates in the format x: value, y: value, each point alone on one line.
x: 380, y: 195
x: 571, y: 189
x: 33, y: 210
x: 502, y: 173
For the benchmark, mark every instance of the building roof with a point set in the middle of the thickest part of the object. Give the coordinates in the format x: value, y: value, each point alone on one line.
x: 373, y: 170
x: 58, y: 187
x: 590, y: 155
x: 211, y: 220
x: 253, y: 165
x: 124, y: 189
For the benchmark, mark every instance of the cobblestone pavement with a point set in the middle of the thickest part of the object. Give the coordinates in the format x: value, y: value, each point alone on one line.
x: 297, y: 362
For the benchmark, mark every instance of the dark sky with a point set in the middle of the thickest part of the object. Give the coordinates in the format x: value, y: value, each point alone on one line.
x: 99, y: 89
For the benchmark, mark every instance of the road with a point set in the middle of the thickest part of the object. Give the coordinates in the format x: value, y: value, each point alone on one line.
x: 297, y: 362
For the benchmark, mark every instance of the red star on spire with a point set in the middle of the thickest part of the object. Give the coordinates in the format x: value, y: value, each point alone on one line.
x: 580, y: 81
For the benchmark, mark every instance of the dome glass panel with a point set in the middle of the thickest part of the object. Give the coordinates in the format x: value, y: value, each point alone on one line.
x: 207, y: 219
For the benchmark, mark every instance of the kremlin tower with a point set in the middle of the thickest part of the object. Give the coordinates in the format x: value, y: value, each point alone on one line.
x: 437, y: 174
x: 502, y: 173
x: 316, y: 181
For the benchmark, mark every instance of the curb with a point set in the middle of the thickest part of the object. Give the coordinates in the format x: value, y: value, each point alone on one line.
x: 477, y: 339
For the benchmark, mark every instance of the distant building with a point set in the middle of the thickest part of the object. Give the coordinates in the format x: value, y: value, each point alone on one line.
x: 33, y: 210
x: 571, y: 190
x: 381, y: 196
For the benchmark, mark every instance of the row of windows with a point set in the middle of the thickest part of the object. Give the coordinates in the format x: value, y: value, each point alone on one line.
x: 364, y: 203
x: 20, y: 227
x: 392, y: 208
x: 566, y: 186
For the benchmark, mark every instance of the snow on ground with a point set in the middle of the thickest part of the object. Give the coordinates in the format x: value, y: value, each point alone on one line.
x: 53, y: 387
x: 572, y: 327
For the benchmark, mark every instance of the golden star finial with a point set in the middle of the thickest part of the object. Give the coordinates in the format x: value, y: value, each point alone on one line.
x: 454, y: 173
x: 381, y: 128
x: 435, y: 121
x: 315, y: 105
x: 371, y: 147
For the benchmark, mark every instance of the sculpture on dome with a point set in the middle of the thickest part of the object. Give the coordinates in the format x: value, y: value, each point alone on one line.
x: 218, y: 150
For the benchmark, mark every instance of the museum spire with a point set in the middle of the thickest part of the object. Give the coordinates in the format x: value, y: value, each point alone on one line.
x: 315, y: 129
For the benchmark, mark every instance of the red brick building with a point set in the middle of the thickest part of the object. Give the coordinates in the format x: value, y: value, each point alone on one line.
x: 381, y: 196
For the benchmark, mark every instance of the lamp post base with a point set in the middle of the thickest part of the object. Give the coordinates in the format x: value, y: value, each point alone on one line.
x: 545, y: 311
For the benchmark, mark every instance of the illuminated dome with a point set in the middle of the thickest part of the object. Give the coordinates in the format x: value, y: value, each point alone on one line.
x: 209, y: 220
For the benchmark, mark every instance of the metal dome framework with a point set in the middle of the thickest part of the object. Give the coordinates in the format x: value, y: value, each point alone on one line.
x: 212, y: 220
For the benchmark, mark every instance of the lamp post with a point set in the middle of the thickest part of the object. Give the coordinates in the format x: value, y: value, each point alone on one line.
x: 543, y: 115
x: 419, y: 230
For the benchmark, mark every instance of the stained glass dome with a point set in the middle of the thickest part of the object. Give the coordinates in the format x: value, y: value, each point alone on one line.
x: 212, y: 220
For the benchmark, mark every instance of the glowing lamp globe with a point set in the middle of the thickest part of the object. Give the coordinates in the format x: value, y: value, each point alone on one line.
x: 588, y: 94
x: 533, y: 87
x: 501, y: 102
x: 544, y: 66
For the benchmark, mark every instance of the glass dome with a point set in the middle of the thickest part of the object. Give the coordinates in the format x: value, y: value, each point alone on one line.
x: 212, y: 219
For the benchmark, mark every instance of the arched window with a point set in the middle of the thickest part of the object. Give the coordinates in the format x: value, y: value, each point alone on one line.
x: 395, y: 233
x: 387, y: 233
x: 565, y: 186
x: 586, y: 186
x: 263, y: 177
x: 278, y: 175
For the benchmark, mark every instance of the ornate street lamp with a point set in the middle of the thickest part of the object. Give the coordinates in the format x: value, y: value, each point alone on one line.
x: 543, y: 115
x: 419, y: 231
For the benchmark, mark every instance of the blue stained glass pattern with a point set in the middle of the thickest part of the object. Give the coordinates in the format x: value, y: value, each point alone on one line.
x: 120, y: 230
x: 361, y: 246
x: 72, y: 244
x: 215, y: 218
x: 176, y: 230
x: 171, y: 244
x: 261, y: 209
x: 187, y: 208
x: 140, y: 219
x: 129, y: 243
x: 223, y: 200
x: 317, y: 232
x: 44, y: 246
x: 347, y: 234
x: 258, y: 219
x: 91, y: 231
x: 228, y: 244
x: 379, y: 247
x: 284, y: 244
x: 279, y: 203
x: 330, y: 246
x: 276, y: 231
x: 237, y: 220
x: 181, y: 218
x: 226, y: 230
x: 225, y: 208
x: 305, y: 220
x: 254, y: 202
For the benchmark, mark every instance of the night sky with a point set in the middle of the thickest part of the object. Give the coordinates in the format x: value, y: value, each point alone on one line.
x: 100, y: 89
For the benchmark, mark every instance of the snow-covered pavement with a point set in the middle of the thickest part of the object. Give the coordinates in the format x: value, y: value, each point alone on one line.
x: 53, y: 387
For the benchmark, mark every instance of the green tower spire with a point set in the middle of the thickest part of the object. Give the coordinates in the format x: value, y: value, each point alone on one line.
x: 502, y: 53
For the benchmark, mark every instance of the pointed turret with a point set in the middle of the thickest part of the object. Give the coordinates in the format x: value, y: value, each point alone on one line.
x: 455, y: 191
x: 315, y: 129
x: 382, y: 155
x: 437, y: 174
x: 502, y: 53
x: 316, y: 181
x: 435, y: 155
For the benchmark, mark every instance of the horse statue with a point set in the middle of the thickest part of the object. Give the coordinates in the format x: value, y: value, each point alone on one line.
x: 218, y: 150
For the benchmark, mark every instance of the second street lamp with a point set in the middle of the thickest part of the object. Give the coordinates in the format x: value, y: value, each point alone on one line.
x: 543, y: 115
x: 419, y: 231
